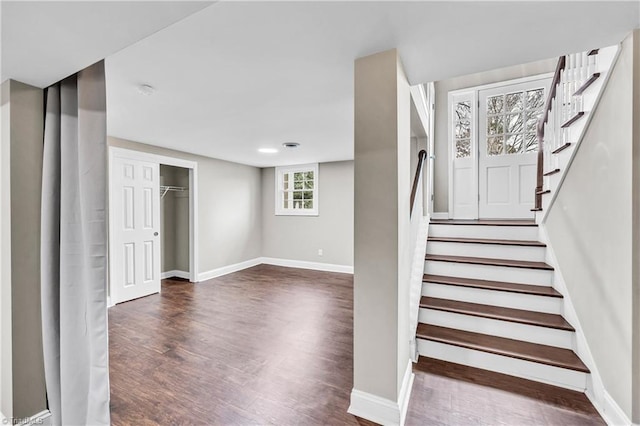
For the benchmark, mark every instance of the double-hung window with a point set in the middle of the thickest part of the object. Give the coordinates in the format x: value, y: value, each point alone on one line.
x: 297, y: 190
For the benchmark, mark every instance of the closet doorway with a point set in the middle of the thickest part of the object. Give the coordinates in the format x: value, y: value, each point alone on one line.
x: 153, y: 222
x: 174, y: 222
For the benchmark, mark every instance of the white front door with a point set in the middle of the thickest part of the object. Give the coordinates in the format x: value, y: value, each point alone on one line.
x: 135, y: 226
x: 507, y: 149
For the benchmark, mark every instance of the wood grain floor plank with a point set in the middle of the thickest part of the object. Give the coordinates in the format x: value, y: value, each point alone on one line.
x: 268, y: 345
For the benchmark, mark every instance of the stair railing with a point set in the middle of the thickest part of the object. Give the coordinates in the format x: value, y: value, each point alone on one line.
x: 417, y: 181
x: 418, y: 238
x: 563, y: 106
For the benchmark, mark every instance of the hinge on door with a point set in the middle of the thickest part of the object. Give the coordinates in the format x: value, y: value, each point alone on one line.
x: 431, y: 197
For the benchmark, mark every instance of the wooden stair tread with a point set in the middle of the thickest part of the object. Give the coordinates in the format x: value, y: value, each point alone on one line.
x: 483, y: 222
x: 543, y: 354
x: 552, y: 172
x: 489, y: 261
x: 573, y: 119
x: 521, y: 316
x: 561, y: 148
x: 488, y: 241
x: 587, y: 83
x: 537, y: 290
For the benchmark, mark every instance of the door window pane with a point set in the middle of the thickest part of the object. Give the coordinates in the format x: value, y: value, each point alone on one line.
x: 463, y: 111
x: 463, y: 129
x: 535, y: 98
x: 514, y: 123
x: 495, y: 125
x: 463, y: 148
x: 514, y: 102
x: 495, y: 104
x: 531, y: 142
x: 513, y: 144
x: 495, y: 145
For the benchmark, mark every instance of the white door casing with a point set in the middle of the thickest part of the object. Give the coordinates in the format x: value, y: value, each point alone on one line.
x: 507, y: 149
x: 135, y: 228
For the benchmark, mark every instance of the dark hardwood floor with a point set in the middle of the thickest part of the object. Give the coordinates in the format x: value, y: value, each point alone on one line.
x: 271, y: 345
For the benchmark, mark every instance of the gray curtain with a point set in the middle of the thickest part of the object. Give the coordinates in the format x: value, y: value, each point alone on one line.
x: 74, y: 248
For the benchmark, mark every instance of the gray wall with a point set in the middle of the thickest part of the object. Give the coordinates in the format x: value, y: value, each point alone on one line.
x: 442, y: 88
x: 23, y: 385
x: 229, y: 207
x: 381, y: 212
x: 174, y: 209
x: 589, y: 226
x: 300, y: 237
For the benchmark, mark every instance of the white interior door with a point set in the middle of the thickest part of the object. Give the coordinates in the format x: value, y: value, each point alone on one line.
x: 508, y: 146
x: 135, y: 227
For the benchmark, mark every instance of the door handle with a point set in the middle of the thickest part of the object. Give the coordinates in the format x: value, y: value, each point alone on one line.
x: 155, y: 234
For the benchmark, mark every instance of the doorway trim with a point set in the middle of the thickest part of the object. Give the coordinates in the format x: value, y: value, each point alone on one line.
x: 131, y: 154
x: 473, y: 91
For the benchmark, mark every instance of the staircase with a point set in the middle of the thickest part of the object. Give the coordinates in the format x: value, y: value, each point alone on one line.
x: 488, y: 302
x: 578, y: 83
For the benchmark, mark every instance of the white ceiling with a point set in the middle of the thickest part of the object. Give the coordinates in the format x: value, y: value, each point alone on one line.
x: 46, y: 41
x: 237, y: 76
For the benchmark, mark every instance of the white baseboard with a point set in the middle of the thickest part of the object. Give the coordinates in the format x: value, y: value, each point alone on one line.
x: 327, y: 267
x: 383, y: 410
x: 289, y: 263
x: 440, y: 215
x: 175, y: 273
x: 218, y: 272
x: 609, y: 409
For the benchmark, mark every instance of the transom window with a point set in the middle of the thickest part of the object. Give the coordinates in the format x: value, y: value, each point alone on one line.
x: 511, y: 122
x: 297, y: 190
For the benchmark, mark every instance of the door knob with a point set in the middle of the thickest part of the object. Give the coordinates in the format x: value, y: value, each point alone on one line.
x: 155, y: 234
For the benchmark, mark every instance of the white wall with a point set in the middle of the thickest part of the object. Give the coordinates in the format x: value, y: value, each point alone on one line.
x: 636, y: 227
x: 230, y: 206
x: 442, y: 88
x: 300, y: 237
x: 589, y: 227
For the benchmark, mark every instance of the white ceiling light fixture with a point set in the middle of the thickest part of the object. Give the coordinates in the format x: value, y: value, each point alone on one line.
x: 146, y: 89
x: 291, y: 145
x: 268, y: 150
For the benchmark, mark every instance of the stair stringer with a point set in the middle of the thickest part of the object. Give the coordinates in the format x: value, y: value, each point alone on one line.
x: 595, y: 390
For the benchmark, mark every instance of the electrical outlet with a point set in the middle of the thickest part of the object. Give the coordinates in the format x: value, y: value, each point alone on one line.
x: 320, y: 252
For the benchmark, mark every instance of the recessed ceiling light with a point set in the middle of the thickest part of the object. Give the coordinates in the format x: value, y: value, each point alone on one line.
x: 291, y: 144
x: 268, y: 150
x: 146, y: 89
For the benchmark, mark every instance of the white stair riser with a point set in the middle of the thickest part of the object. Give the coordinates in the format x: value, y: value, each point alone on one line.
x: 494, y: 251
x: 493, y: 327
x: 489, y: 272
x: 569, y: 379
x: 505, y: 299
x: 485, y: 231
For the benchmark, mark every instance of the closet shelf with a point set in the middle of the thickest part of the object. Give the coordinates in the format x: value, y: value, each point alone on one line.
x: 166, y: 188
